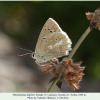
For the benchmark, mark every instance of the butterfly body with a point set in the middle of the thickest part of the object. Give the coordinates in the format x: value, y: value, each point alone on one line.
x: 52, y: 42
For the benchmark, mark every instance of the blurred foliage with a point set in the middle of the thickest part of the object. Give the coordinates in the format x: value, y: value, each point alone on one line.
x: 23, y: 22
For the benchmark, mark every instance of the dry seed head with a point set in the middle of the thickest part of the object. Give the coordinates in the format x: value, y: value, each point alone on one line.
x: 89, y: 15
x: 73, y: 73
x: 94, y: 19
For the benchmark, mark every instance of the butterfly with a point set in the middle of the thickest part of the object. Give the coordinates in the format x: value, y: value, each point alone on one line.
x: 52, y: 43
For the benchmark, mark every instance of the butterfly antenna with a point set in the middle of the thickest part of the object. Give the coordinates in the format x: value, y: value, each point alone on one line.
x: 24, y: 54
x: 24, y: 49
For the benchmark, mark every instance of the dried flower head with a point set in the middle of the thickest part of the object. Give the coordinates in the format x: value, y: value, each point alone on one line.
x: 89, y: 15
x: 46, y: 68
x: 94, y: 19
x: 52, y: 66
x: 53, y: 72
x: 73, y: 73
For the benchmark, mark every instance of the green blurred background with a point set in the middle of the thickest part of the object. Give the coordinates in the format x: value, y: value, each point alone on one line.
x: 20, y: 26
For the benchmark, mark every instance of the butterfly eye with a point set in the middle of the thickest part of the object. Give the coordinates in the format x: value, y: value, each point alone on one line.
x: 33, y: 55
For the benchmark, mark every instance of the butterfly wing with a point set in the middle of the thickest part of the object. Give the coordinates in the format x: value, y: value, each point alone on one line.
x: 58, y: 44
x: 52, y: 42
x: 49, y: 27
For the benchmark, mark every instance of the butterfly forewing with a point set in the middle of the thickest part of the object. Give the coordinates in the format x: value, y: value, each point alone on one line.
x: 52, y: 42
x: 49, y: 27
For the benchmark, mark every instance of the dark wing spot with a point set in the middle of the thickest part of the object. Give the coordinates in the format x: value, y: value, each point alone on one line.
x: 44, y: 59
x: 42, y: 56
x: 56, y: 39
x: 46, y: 41
x: 45, y: 28
x: 48, y: 28
x: 51, y: 31
x: 44, y: 38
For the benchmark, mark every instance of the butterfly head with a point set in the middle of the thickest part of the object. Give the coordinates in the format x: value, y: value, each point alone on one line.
x: 39, y: 58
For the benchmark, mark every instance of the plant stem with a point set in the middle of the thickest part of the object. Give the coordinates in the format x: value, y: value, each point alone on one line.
x: 54, y: 83
x: 79, y: 43
x: 71, y: 55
